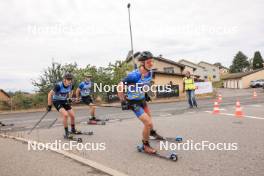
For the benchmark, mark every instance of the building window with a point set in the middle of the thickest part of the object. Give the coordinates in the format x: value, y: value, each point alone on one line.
x: 168, y: 69
x: 213, y: 69
x: 205, y: 77
x: 214, y: 76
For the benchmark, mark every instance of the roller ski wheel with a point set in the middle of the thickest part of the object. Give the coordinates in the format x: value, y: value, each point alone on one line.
x: 172, y: 156
x: 71, y: 138
x: 178, y: 139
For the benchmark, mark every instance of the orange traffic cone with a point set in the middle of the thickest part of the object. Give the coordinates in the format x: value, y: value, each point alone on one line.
x: 238, y: 112
x: 254, y: 94
x: 216, y: 108
x: 219, y: 98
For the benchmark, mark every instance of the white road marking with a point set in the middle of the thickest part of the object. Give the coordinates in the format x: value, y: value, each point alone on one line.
x: 255, y: 106
x: 165, y: 114
x: 251, y: 117
x: 77, y: 158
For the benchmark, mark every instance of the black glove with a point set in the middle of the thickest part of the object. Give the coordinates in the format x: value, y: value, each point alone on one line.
x: 147, y: 97
x: 69, y: 100
x: 49, y: 107
x: 124, y: 105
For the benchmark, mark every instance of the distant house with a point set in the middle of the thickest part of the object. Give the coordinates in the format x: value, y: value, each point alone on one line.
x: 242, y: 80
x: 198, y: 70
x: 211, y: 72
x: 223, y: 70
x: 4, y: 96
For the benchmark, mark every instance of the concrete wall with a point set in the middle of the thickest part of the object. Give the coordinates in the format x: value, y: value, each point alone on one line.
x: 255, y: 76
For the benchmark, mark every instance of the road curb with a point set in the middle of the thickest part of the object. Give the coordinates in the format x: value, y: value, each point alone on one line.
x: 77, y: 158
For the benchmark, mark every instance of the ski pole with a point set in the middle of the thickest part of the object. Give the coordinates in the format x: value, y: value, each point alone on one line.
x: 38, y: 122
x: 52, y: 123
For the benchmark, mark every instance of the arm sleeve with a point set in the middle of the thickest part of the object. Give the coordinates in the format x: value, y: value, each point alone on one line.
x: 131, y: 78
x: 80, y: 86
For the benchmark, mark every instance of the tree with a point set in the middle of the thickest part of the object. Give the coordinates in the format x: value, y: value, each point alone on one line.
x: 257, y: 61
x: 110, y: 75
x: 52, y: 75
x: 240, y: 63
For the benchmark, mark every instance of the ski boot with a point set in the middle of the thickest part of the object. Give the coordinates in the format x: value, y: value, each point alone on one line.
x: 147, y: 148
x: 155, y: 135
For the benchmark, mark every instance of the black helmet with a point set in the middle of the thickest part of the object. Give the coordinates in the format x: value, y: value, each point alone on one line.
x: 145, y: 55
x: 68, y: 76
x: 87, y: 75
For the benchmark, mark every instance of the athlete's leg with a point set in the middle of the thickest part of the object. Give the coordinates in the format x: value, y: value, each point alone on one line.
x: 148, y: 125
x: 72, y: 117
x: 92, y: 110
x: 153, y: 132
x: 64, y: 116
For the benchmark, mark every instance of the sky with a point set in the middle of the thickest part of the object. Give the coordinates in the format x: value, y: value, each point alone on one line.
x: 33, y: 33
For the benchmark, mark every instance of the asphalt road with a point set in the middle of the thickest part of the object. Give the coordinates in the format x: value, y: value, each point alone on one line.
x: 170, y: 119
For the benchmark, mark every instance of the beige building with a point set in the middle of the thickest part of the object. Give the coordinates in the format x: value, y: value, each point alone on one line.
x: 211, y: 72
x: 198, y: 71
x: 242, y: 80
x: 4, y: 96
x: 203, y: 70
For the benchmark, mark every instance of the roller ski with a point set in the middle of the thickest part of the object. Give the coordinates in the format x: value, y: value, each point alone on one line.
x: 70, y: 137
x: 155, y: 136
x: 95, y: 121
x: 77, y: 132
x: 147, y: 149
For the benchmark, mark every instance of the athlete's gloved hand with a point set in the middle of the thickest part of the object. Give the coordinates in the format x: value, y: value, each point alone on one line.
x: 49, y: 107
x: 124, y: 105
x: 70, y: 100
x: 147, y: 97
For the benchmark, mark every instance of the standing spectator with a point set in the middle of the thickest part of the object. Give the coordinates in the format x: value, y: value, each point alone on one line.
x: 189, y: 87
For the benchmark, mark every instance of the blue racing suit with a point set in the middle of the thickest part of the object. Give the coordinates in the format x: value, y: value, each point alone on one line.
x: 135, y: 82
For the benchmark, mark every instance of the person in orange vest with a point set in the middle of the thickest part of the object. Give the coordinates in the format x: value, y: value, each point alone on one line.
x: 189, y: 87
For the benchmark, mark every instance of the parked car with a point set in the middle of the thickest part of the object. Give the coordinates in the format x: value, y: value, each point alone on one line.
x: 257, y: 83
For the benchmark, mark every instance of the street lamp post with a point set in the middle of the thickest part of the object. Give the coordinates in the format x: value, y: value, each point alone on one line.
x: 131, y: 37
